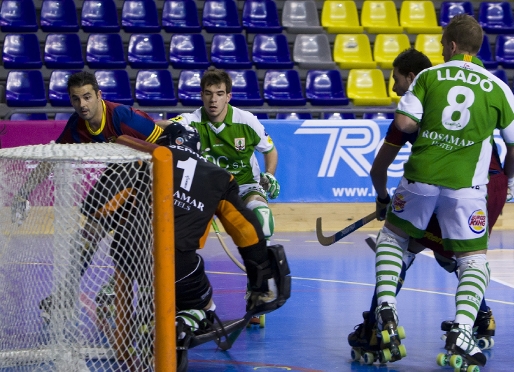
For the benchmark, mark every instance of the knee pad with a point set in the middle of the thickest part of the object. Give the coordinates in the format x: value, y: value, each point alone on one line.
x: 264, y: 215
x: 408, y: 259
x: 475, y: 261
x: 389, y: 237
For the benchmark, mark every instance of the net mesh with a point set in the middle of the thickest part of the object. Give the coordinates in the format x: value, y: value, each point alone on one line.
x: 76, y: 267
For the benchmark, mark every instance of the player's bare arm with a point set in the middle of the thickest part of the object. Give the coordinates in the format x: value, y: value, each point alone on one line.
x: 271, y: 161
x: 405, y: 123
x: 383, y: 160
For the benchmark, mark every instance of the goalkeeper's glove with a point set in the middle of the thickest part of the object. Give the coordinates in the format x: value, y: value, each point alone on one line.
x: 510, y: 190
x: 381, y: 205
x: 19, y: 208
x: 270, y: 184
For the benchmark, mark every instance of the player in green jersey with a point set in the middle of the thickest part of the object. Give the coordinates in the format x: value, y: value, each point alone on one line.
x: 455, y: 107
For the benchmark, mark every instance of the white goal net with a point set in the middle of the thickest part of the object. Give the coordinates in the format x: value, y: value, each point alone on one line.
x: 76, y: 233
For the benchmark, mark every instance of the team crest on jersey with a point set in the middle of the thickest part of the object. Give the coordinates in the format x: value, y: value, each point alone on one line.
x: 477, y: 221
x: 176, y: 118
x: 239, y: 144
x: 398, y: 203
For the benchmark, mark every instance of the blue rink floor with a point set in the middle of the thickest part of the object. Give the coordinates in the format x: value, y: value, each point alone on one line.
x: 331, y: 288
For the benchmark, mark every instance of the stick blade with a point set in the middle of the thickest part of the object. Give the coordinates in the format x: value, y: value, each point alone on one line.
x: 323, y: 240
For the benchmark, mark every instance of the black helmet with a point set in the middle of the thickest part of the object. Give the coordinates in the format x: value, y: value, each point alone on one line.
x: 181, y: 135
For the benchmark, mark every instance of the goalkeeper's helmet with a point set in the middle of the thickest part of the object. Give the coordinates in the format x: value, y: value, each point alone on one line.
x: 181, y: 135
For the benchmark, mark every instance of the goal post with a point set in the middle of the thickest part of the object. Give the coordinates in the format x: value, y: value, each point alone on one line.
x: 59, y: 259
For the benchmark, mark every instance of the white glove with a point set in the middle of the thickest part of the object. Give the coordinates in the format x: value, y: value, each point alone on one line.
x: 19, y: 208
x: 510, y: 190
x: 270, y: 184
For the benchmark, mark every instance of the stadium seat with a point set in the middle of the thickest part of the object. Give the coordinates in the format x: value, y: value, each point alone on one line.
x: 58, y: 88
x: 105, y: 51
x: 496, y: 17
x: 188, y: 51
x: 395, y: 97
x: 155, y: 88
x: 301, y: 17
x: 366, y: 87
x: 325, y: 87
x: 340, y: 16
x: 140, y: 16
x: 378, y: 115
x: 63, y: 51
x: 262, y: 116
x: 312, y: 51
x: 18, y: 16
x: 271, y: 51
x: 504, y: 53
x: 146, y: 51
x: 353, y: 51
x: 486, y: 54
x: 31, y: 116
x: 293, y: 116
x: 245, y: 88
x: 115, y: 86
x: 387, y: 47
x: 221, y: 16
x: 189, y: 90
x: 261, y: 16
x: 21, y: 51
x: 450, y: 9
x: 59, y: 16
x: 338, y: 116
x: 230, y: 51
x: 25, y: 88
x: 63, y: 115
x: 430, y: 45
x: 180, y: 16
x: 283, y: 88
x: 419, y: 17
x: 380, y: 17
x: 502, y: 74
x: 99, y: 16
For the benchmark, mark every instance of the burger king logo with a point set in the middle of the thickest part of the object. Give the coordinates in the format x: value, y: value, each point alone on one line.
x: 477, y: 221
x: 398, y: 203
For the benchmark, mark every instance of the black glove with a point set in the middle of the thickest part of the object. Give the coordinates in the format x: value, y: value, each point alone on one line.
x: 382, y: 207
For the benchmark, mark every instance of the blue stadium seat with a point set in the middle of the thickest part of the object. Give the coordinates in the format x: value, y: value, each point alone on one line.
x: 189, y: 87
x: 155, y: 88
x: 221, y: 16
x: 283, y: 88
x: 378, y: 115
x: 230, y: 51
x: 188, y: 51
x: 486, y: 54
x: 502, y: 74
x: 63, y: 51
x: 115, y: 86
x: 245, y: 88
x: 21, y: 51
x: 271, y: 51
x: 31, y: 116
x: 18, y: 16
x: 140, y: 16
x: 105, y: 51
x: 450, y: 9
x: 338, y: 116
x: 293, y: 116
x: 180, y: 16
x: 99, y: 16
x: 146, y: 51
x: 504, y: 54
x: 261, y: 16
x: 58, y: 88
x: 496, y: 17
x: 62, y: 115
x: 325, y: 87
x: 59, y: 16
x: 262, y: 116
x: 25, y: 88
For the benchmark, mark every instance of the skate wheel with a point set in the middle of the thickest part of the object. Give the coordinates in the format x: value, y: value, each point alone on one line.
x: 473, y: 368
x: 442, y: 360
x: 401, y: 332
x: 386, y: 356
x: 369, y: 358
x: 355, y: 354
x: 385, y: 337
x: 455, y: 361
x: 483, y: 343
x: 491, y: 343
x: 402, y: 350
x: 262, y: 321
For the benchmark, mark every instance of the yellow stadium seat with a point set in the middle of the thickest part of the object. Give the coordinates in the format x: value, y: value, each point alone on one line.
x: 353, y: 51
x: 340, y: 16
x: 367, y: 87
x: 419, y: 17
x: 387, y: 47
x: 380, y: 17
x: 395, y: 97
x: 430, y: 44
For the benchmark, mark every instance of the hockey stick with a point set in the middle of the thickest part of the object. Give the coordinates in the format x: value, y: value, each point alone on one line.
x: 329, y: 240
x: 225, y: 248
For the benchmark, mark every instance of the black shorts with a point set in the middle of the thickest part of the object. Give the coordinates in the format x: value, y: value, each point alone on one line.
x: 192, y: 287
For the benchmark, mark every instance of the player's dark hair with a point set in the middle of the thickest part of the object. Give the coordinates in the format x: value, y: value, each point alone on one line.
x: 411, y: 60
x: 466, y: 32
x: 82, y: 78
x: 216, y: 77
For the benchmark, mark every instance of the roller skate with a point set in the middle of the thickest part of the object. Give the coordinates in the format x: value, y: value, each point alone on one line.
x: 462, y: 353
x: 391, y: 334
x: 364, y: 342
x: 483, y: 329
x: 259, y: 321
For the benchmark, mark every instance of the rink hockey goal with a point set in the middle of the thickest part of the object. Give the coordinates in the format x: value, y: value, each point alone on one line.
x: 59, y: 313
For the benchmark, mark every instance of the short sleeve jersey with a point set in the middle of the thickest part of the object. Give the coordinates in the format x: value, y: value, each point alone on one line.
x: 117, y: 120
x: 457, y: 105
x: 232, y: 143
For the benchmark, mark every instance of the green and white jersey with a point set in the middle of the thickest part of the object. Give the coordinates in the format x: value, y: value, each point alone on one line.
x: 232, y: 143
x: 457, y: 105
